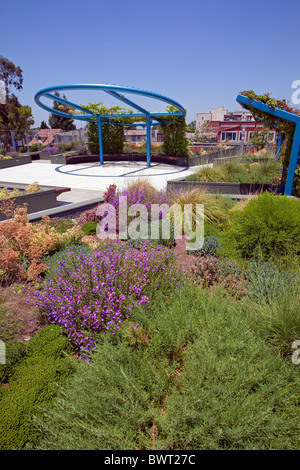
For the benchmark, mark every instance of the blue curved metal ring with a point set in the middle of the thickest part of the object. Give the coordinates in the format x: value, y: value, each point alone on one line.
x: 116, y: 92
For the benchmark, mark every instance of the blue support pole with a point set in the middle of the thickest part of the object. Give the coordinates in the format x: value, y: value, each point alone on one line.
x: 293, y: 162
x: 13, y: 141
x: 279, y: 142
x: 148, y: 140
x: 100, y: 140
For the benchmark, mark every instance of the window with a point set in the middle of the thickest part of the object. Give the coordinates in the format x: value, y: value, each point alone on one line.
x: 243, y: 136
x: 271, y: 137
x: 228, y: 135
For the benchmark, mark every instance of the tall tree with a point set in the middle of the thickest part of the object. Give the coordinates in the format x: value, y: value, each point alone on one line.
x: 44, y: 125
x: 10, y: 74
x: 60, y: 122
x: 13, y: 115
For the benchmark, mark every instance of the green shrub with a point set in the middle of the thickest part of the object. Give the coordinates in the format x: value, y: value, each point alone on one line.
x: 62, y: 224
x: 210, y: 246
x: 267, y: 283
x: 275, y: 295
x: 14, y: 353
x: 279, y: 324
x: 89, y: 228
x: 34, y: 148
x: 267, y: 227
x: 32, y: 384
x: 191, y: 373
x: 67, y: 255
x: 50, y: 342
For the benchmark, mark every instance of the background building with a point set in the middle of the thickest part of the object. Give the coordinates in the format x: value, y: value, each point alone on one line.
x: 235, y: 127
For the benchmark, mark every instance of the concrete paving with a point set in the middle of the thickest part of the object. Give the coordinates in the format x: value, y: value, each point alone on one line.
x: 90, y: 180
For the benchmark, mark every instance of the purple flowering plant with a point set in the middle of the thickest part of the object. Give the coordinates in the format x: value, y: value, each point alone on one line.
x: 138, y: 193
x: 51, y: 150
x: 100, y: 290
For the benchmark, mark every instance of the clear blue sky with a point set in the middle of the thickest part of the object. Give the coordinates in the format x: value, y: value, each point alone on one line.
x: 200, y: 53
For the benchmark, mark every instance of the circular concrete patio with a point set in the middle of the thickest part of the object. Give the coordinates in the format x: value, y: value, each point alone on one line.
x: 90, y: 180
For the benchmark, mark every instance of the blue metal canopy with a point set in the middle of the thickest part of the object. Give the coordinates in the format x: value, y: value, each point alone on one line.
x: 280, y: 115
x: 152, y: 118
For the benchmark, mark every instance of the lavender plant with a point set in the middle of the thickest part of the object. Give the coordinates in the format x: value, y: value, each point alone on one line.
x: 92, y: 294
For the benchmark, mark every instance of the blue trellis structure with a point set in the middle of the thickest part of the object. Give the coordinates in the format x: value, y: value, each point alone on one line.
x: 280, y: 115
x: 152, y: 118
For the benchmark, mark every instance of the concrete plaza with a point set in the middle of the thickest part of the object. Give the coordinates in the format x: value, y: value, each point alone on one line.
x: 90, y: 180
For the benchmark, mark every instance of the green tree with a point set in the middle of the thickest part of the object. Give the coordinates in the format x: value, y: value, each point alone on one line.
x: 13, y: 115
x: 44, y: 125
x: 112, y: 133
x: 11, y: 75
x: 60, y: 122
x: 191, y: 127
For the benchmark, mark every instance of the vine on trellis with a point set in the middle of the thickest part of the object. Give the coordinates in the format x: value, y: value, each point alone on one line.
x: 286, y: 128
x: 174, y: 131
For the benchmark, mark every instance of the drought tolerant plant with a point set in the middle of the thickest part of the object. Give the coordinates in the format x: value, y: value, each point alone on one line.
x: 67, y: 255
x: 15, y: 351
x: 267, y: 227
x: 259, y: 173
x: 275, y: 295
x: 60, y: 224
x: 22, y: 245
x: 32, y: 378
x: 93, y: 293
x: 214, y: 212
x: 30, y: 189
x: 209, y: 272
x: 204, y: 379
x: 89, y: 228
x: 51, y: 150
x: 210, y: 246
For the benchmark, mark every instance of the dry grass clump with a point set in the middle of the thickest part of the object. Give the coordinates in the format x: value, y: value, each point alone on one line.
x: 214, y: 211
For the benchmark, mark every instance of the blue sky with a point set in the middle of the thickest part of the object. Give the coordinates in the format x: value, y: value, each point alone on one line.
x: 199, y: 53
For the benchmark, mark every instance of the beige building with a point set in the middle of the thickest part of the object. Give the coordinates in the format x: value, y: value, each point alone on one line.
x: 222, y: 114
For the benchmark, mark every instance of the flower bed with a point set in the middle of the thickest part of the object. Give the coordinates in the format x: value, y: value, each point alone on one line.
x: 15, y: 161
x: 234, y: 178
x: 222, y: 188
x: 95, y: 292
x: 152, y: 331
x: 121, y: 157
x: 36, y: 201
